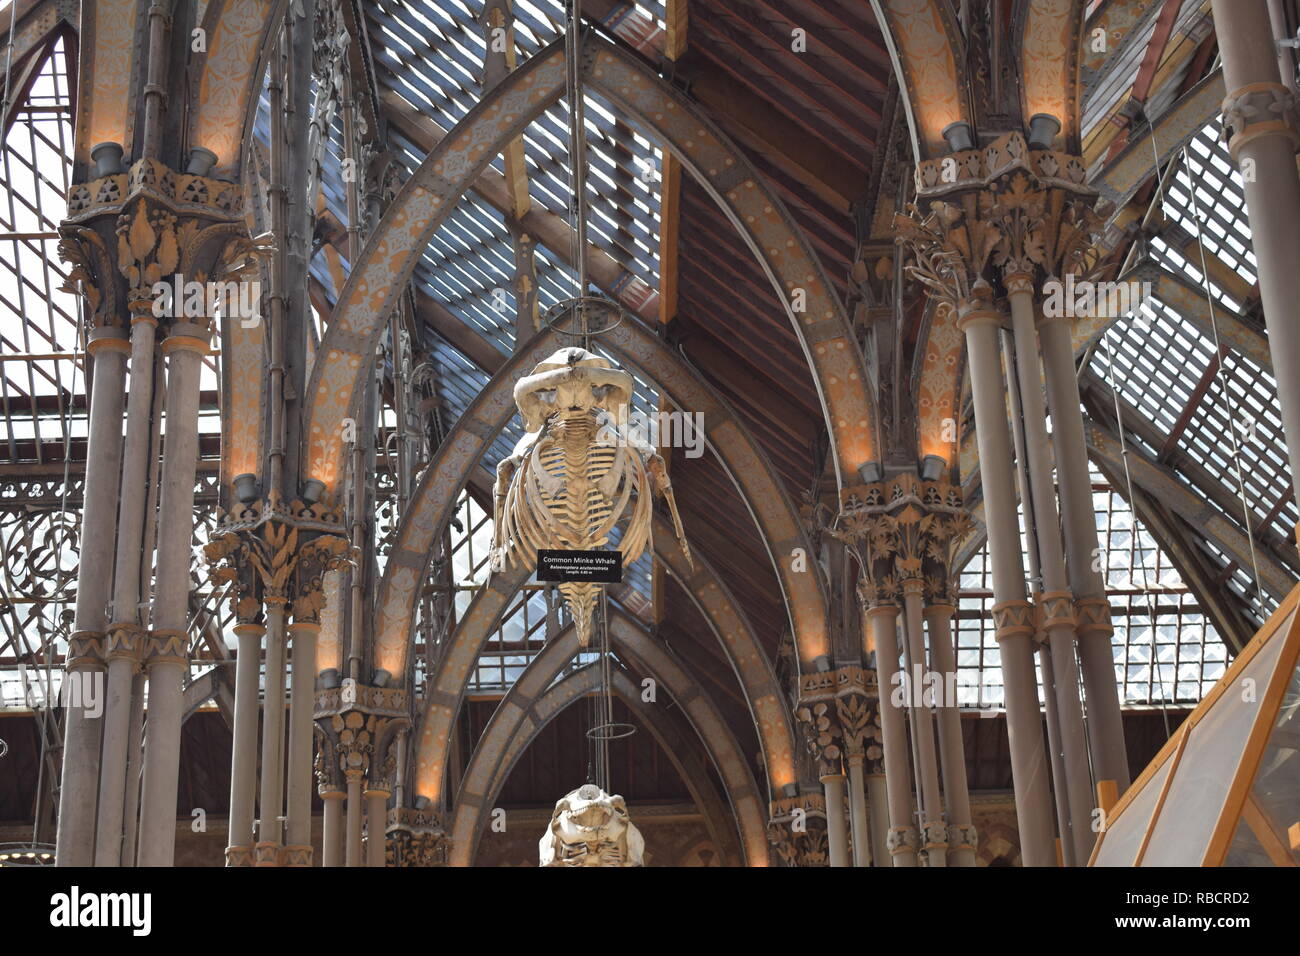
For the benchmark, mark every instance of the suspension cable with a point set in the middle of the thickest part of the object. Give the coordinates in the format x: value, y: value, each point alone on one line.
x: 1221, y: 375
x: 1146, y: 587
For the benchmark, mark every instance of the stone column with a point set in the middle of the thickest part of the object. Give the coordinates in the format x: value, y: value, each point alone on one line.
x: 83, y: 693
x: 243, y: 758
x: 376, y: 820
x: 1079, y: 523
x: 353, y: 846
x: 934, y: 833
x: 126, y: 633
x: 134, y: 771
x: 1055, y: 601
x: 903, y: 840
x: 125, y: 644
x: 836, y: 835
x: 1011, y: 612
x: 332, y: 838
x: 271, y: 797
x: 819, y: 722
x: 1259, y: 113
x: 952, y: 755
x: 858, y: 811
x: 878, y: 811
x: 302, y: 706
x: 168, y: 652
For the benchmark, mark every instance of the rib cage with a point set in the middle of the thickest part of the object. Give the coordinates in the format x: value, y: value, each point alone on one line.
x: 571, y: 489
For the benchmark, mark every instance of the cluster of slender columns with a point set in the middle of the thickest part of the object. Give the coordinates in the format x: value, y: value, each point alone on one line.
x: 906, y: 785
x: 1068, y: 621
x: 280, y: 834
x: 1012, y: 614
x: 82, y: 731
x: 119, y: 776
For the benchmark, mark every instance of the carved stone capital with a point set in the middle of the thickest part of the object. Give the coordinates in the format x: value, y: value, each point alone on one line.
x: 85, y: 651
x: 415, y: 838
x: 999, y: 212
x: 277, y: 553
x: 840, y: 716
x: 356, y: 743
x: 903, y: 533
x: 963, y: 836
x: 328, y: 766
x: 167, y: 647
x: 316, y: 556
x: 127, y: 231
x: 797, y: 831
x: 859, y: 718
x: 820, y: 726
x: 1013, y: 619
x: 362, y: 747
x: 239, y: 856
x: 1258, y: 110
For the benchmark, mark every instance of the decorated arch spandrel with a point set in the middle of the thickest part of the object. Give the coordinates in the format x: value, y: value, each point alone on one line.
x: 230, y: 71
x: 111, y: 58
x: 1049, y: 64
x: 927, y: 45
x: 938, y: 393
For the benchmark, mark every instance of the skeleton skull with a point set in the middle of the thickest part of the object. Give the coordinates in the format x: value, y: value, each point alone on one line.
x: 591, y: 828
x: 572, y: 380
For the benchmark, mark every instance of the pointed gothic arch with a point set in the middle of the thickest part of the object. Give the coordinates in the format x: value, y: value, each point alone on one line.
x: 390, y: 257
x: 537, y: 698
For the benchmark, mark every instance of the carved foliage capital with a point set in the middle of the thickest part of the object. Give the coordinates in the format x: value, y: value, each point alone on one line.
x: 820, y: 725
x: 415, y: 838
x: 1256, y: 110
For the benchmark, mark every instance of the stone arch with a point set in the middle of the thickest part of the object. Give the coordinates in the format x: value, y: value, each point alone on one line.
x: 389, y: 258
x: 762, y: 693
x: 927, y: 47
x: 533, y: 702
x: 434, y: 499
x: 1050, y: 42
x: 110, y: 57
x: 563, y: 695
x: 938, y: 393
x: 228, y: 78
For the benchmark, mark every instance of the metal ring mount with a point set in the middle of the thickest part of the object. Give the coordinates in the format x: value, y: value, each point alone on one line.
x: 596, y: 308
x: 613, y: 731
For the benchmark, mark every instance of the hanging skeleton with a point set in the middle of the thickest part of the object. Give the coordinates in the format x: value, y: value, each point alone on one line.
x: 576, y: 472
